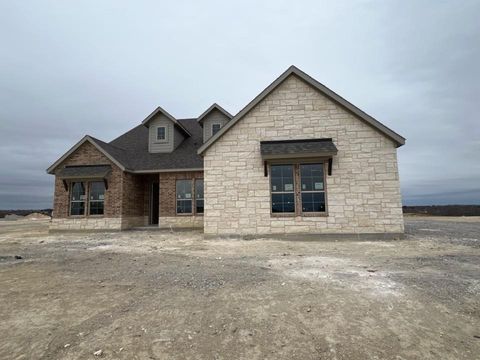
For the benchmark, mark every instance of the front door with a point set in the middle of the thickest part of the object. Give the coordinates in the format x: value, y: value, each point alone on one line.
x: 154, y: 204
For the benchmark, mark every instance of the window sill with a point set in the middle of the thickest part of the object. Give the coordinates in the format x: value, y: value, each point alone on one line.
x: 315, y: 214
x: 85, y: 216
x: 282, y: 215
x: 287, y: 215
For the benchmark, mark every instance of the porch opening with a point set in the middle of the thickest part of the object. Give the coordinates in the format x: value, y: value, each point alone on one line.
x: 154, y: 204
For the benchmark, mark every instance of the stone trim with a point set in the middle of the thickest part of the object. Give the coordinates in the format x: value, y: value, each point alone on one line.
x: 102, y: 223
x: 97, y: 224
x: 314, y: 237
x: 181, y: 222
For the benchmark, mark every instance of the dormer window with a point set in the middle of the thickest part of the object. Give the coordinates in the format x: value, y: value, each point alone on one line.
x: 161, y: 133
x: 215, y: 128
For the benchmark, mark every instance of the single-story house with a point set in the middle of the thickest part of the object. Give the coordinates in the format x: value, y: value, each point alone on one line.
x: 298, y: 158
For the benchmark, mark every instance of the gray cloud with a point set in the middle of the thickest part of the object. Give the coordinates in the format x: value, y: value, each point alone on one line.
x: 100, y: 67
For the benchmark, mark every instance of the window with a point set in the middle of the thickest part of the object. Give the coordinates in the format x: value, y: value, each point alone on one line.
x: 199, y: 196
x: 215, y: 128
x: 298, y: 188
x: 312, y: 188
x: 97, y: 198
x: 283, y: 190
x: 87, y: 195
x: 184, y: 196
x: 161, y: 133
x: 77, y: 200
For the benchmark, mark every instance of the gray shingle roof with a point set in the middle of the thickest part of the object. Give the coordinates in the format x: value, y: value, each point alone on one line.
x: 131, y: 149
x: 297, y: 148
x: 94, y: 171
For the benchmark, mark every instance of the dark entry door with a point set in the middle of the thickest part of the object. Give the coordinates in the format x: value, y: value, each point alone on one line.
x: 154, y: 204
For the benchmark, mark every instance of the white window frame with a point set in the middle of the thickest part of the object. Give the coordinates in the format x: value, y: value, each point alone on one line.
x: 166, y: 134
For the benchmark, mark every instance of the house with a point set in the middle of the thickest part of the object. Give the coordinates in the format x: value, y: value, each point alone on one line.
x: 297, y: 159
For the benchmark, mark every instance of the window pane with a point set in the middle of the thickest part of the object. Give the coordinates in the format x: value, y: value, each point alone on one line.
x: 313, y: 202
x: 215, y: 128
x: 77, y: 204
x: 161, y: 133
x: 97, y: 190
x: 199, y: 196
x: 311, y: 177
x: 96, y: 207
x: 282, y: 178
x: 199, y: 208
x: 77, y: 208
x: 184, y: 206
x: 184, y: 189
x: 78, y: 191
x: 184, y: 196
x: 199, y: 189
x: 283, y: 203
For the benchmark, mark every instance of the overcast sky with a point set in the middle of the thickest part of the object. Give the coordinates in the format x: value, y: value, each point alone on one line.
x: 70, y: 68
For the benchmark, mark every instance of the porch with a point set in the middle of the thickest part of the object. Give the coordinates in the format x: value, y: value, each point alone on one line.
x: 164, y: 200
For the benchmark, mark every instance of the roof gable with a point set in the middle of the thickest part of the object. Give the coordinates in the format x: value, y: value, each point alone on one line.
x: 292, y: 70
x: 212, y: 108
x: 159, y: 110
x: 104, y: 148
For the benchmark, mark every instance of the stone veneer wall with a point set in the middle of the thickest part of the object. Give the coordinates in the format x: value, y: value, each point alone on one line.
x: 168, y: 215
x: 181, y: 222
x: 363, y: 193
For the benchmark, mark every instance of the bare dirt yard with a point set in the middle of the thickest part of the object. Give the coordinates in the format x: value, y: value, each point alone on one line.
x: 163, y: 295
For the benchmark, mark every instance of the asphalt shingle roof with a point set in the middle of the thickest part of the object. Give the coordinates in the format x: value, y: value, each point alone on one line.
x: 94, y: 171
x: 131, y: 150
x: 298, y: 147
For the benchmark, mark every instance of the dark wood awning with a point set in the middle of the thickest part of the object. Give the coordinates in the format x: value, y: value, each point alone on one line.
x: 288, y: 149
x: 84, y: 172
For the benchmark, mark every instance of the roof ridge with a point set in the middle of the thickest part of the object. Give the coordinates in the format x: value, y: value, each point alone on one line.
x: 213, y: 107
x: 333, y: 96
x: 168, y: 115
x: 105, y: 143
x: 125, y: 133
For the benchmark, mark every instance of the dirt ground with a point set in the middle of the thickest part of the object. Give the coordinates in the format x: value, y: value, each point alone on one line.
x: 162, y: 295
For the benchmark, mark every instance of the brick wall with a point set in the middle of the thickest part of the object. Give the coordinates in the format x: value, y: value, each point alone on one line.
x: 87, y: 154
x: 168, y: 204
x: 127, y: 198
x: 363, y: 193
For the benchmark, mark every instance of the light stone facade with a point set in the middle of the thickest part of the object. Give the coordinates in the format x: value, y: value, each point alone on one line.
x: 363, y: 192
x: 181, y: 222
x: 97, y: 223
x: 83, y: 223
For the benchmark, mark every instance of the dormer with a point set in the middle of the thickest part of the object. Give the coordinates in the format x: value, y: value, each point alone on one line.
x: 165, y: 133
x: 212, y: 120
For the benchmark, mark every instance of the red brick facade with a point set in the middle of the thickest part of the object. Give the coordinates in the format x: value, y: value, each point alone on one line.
x: 128, y: 195
x: 168, y: 203
x: 87, y: 154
